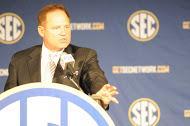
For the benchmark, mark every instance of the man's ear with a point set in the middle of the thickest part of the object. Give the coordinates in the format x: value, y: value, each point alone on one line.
x: 41, y: 31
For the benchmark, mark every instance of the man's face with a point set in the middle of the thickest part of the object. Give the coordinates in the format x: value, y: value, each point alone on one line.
x: 56, y: 31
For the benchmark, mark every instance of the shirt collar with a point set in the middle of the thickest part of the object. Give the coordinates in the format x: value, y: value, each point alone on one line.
x: 46, y: 53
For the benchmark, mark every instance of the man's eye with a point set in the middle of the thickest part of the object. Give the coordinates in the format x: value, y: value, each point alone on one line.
x: 67, y: 26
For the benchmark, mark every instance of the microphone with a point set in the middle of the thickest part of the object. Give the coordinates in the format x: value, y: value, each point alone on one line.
x: 67, y: 63
x: 66, y: 59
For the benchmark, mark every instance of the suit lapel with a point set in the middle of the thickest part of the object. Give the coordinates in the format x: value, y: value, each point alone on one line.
x: 34, y: 65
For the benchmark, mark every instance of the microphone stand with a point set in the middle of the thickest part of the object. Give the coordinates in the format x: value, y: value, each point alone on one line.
x: 74, y: 82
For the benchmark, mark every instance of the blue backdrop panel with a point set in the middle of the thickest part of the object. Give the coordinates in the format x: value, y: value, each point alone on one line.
x: 170, y: 47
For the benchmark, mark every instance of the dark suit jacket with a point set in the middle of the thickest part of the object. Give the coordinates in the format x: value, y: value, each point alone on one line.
x: 25, y: 67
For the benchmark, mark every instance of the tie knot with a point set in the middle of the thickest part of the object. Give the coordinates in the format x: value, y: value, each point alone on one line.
x: 54, y: 57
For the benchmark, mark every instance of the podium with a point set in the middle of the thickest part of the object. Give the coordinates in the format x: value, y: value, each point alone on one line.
x: 42, y: 104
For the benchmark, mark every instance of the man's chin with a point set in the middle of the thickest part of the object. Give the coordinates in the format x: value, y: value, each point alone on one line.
x: 64, y: 45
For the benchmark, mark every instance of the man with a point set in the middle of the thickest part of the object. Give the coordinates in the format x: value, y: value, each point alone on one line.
x: 33, y: 64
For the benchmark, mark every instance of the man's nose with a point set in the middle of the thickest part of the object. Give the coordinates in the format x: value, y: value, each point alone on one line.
x: 62, y: 31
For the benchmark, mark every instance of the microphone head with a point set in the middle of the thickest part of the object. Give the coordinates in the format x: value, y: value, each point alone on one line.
x: 66, y: 59
x: 69, y: 70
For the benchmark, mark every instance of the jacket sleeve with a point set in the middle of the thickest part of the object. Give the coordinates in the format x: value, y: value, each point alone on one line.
x: 12, y: 77
x: 93, y: 76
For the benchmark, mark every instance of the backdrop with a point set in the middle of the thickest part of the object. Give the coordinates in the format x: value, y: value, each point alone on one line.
x: 143, y: 46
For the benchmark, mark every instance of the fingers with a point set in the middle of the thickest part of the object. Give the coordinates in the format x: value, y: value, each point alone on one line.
x: 114, y: 100
x: 107, y: 94
x: 109, y: 99
x: 112, y: 90
x: 113, y: 93
x: 109, y: 87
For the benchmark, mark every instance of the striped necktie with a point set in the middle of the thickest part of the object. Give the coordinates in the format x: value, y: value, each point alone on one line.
x: 52, y: 66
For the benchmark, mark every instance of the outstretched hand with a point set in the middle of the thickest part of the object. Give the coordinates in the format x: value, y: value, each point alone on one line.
x: 107, y: 93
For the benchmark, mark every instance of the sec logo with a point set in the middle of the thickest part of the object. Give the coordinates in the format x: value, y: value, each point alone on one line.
x: 11, y: 28
x: 38, y: 104
x: 144, y: 112
x: 143, y: 25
